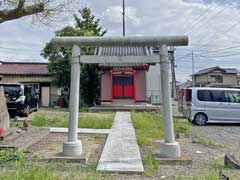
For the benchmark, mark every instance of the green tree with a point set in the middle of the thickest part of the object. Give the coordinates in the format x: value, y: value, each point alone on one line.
x: 59, y: 58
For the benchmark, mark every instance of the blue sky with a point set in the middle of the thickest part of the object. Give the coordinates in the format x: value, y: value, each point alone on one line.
x: 212, y: 27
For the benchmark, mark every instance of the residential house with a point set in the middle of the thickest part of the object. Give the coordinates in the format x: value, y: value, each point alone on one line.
x: 137, y: 83
x: 217, y: 77
x: 31, y: 73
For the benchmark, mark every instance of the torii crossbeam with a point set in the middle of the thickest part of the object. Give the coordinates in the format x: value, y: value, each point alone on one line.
x: 73, y: 146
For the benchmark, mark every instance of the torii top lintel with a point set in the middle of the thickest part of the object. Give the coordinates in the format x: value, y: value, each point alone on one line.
x: 96, y: 41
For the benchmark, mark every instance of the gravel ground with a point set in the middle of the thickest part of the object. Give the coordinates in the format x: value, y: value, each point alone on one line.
x: 22, y: 139
x: 39, y: 141
x: 204, y: 157
x: 225, y: 134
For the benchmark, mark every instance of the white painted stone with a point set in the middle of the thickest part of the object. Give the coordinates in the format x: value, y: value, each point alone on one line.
x: 121, y: 152
x: 170, y: 150
x: 73, y: 146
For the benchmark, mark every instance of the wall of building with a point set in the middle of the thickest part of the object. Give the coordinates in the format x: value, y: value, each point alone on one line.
x: 16, y: 78
x: 54, y: 97
x: 141, y: 89
x: 154, y: 84
x: 227, y: 78
x: 202, y: 78
x: 41, y: 80
x: 206, y: 80
x: 105, y: 86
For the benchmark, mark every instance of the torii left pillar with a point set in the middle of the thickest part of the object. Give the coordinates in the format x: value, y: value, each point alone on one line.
x: 73, y: 146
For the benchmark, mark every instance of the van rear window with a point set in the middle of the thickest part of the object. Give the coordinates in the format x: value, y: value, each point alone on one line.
x: 188, y: 94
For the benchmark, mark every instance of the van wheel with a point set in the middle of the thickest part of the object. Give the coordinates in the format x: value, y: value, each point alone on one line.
x: 26, y: 111
x: 201, y: 119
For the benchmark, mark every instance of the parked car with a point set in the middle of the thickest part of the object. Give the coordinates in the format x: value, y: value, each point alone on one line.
x: 212, y: 105
x: 21, y: 99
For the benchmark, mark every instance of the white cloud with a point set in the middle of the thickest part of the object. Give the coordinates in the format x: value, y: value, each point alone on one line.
x: 205, y: 23
x: 114, y: 15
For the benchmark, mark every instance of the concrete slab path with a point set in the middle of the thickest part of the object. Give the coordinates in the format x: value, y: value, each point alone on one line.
x: 80, y: 130
x: 121, y: 152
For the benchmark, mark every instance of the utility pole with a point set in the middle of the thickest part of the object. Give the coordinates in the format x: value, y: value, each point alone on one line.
x: 172, y: 62
x: 124, y: 17
x: 193, y: 72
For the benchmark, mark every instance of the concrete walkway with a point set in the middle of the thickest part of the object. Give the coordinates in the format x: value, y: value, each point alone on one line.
x: 121, y: 152
x: 80, y: 130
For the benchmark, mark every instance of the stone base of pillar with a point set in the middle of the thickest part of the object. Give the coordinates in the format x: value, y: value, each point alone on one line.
x: 169, y: 150
x: 72, y: 148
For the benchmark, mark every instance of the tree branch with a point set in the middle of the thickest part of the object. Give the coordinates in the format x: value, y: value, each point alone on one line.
x: 20, y: 11
x: 21, y: 4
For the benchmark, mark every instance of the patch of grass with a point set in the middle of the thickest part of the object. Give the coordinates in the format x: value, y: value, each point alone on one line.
x: 86, y: 120
x: 21, y: 172
x: 210, y: 175
x: 33, y: 171
x: 44, y: 120
x: 206, y: 141
x: 151, y: 165
x: 83, y: 109
x: 216, y: 164
x: 11, y: 155
x: 150, y: 126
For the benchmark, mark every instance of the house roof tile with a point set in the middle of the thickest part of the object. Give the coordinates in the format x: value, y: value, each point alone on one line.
x: 23, y: 68
x: 224, y: 70
x: 123, y: 51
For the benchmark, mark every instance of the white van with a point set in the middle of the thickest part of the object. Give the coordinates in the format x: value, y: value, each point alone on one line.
x: 214, y: 105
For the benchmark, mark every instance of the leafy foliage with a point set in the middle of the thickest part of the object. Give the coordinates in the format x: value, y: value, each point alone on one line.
x: 60, y: 58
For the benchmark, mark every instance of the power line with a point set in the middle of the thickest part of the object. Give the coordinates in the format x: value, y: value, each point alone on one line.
x: 208, y: 20
x: 200, y: 20
x: 17, y: 49
x: 197, y: 20
x: 224, y: 32
x: 124, y: 22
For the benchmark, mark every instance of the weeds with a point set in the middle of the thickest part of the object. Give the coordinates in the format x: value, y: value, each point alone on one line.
x: 206, y: 141
x: 11, y: 155
x: 150, y: 126
x: 151, y: 165
x: 33, y: 171
x: 97, y: 121
x: 210, y: 175
x: 216, y: 164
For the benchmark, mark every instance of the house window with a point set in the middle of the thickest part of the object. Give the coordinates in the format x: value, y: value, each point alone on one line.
x: 34, y: 85
x: 217, y: 79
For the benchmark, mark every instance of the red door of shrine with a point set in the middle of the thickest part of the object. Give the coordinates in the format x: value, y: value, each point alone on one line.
x: 123, y: 86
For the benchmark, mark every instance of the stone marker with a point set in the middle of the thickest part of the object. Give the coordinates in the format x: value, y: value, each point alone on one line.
x: 231, y: 161
x: 4, y: 116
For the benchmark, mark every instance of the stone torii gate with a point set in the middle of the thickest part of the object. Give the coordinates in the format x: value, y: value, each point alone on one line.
x: 73, y: 146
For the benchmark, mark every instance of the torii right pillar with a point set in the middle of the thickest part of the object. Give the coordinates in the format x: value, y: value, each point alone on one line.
x: 169, y: 148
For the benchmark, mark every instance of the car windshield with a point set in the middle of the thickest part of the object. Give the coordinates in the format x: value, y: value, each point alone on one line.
x: 12, y: 90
